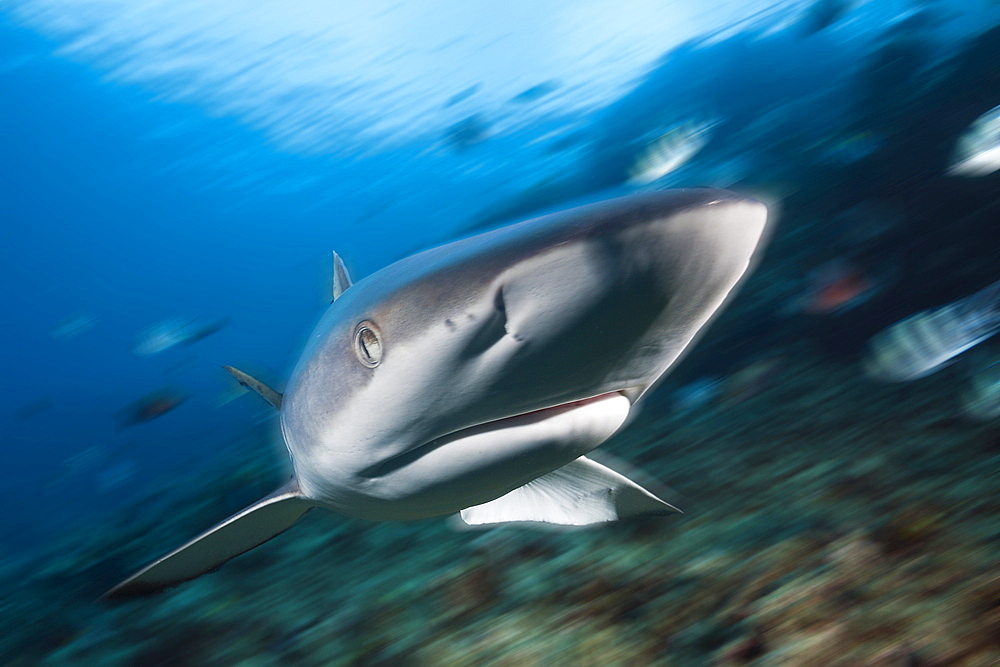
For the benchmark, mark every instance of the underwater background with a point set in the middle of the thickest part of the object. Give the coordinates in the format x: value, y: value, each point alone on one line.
x: 176, y: 174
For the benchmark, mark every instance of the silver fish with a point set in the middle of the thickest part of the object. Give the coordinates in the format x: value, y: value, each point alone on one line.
x: 977, y: 152
x: 173, y: 332
x: 73, y: 326
x: 921, y: 343
x: 669, y: 151
x: 981, y: 399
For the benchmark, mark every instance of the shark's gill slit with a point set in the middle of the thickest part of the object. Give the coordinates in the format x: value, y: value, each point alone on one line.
x: 501, y: 308
x: 488, y: 330
x: 368, y: 344
x: 498, y: 302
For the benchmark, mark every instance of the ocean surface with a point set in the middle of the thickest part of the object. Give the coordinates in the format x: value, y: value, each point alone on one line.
x: 175, y: 176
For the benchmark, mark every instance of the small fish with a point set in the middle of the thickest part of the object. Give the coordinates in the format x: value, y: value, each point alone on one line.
x: 172, y: 332
x: 535, y: 93
x: 669, y: 151
x: 114, y: 477
x: 87, y: 459
x: 981, y: 399
x: 73, y: 326
x: 850, y: 149
x: 34, y: 408
x: 838, y: 288
x: 977, y: 152
x: 752, y: 379
x: 823, y: 14
x: 919, y: 344
x: 468, y: 132
x: 462, y: 95
x: 832, y: 288
x: 696, y: 394
x: 151, y: 406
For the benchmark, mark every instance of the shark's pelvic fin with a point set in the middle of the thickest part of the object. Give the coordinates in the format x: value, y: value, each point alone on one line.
x: 580, y: 493
x: 268, y: 394
x: 341, y: 279
x: 241, y: 532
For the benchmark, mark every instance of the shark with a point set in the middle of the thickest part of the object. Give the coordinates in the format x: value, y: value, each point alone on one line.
x: 473, y: 379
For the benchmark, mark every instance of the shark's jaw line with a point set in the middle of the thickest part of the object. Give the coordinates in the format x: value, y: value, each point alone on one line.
x: 518, y: 420
x: 544, y: 412
x: 495, y: 457
x: 521, y: 419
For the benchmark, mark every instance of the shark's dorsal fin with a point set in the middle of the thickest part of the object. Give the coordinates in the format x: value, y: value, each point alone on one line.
x: 265, y: 392
x: 580, y: 493
x: 341, y: 279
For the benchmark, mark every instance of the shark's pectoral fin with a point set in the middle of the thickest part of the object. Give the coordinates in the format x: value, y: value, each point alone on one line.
x: 579, y: 493
x: 255, y: 385
x: 241, y: 532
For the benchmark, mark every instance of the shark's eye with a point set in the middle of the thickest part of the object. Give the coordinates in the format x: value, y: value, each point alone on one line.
x: 368, y: 344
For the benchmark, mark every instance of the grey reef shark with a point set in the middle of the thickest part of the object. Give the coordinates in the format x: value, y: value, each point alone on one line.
x: 475, y: 377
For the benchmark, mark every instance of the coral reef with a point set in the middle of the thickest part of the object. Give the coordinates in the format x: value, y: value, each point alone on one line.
x: 860, y: 535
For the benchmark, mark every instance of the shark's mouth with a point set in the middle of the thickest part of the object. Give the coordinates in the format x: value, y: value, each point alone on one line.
x: 575, y: 425
x: 541, y: 413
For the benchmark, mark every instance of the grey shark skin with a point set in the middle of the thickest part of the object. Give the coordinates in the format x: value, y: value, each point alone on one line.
x: 476, y: 376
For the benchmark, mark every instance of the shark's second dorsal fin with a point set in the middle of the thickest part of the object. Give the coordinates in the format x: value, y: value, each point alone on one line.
x: 580, y: 493
x: 341, y: 279
x: 268, y: 394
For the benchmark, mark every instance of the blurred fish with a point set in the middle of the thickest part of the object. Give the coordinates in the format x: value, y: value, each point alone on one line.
x: 87, y: 459
x: 839, y: 288
x: 981, y: 399
x: 977, y: 152
x: 864, y: 224
x: 172, y: 332
x: 84, y: 461
x: 466, y: 133
x: 565, y: 141
x: 35, y: 407
x: 696, y: 394
x: 535, y: 93
x: 151, y: 406
x: 919, y: 344
x: 461, y: 96
x: 832, y: 288
x: 753, y: 379
x: 824, y: 13
x: 114, y: 477
x: 669, y: 151
x: 73, y: 326
x: 852, y: 148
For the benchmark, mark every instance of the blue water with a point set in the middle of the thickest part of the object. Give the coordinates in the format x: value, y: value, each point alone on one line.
x: 118, y: 208
x: 130, y: 197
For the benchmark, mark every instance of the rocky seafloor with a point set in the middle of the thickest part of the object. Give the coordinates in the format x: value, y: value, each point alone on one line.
x: 828, y: 521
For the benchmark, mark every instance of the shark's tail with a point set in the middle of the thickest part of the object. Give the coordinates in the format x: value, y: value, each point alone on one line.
x: 241, y: 532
